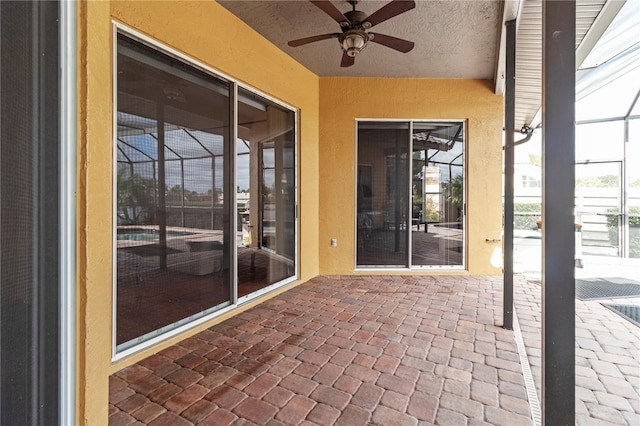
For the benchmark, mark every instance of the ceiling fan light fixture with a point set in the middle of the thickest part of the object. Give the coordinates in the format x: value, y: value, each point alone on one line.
x: 353, y: 42
x: 354, y: 25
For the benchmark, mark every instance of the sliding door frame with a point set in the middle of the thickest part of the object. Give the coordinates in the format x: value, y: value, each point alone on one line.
x: 409, y: 239
x: 234, y: 86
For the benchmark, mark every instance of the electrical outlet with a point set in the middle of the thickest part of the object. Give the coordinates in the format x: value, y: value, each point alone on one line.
x: 334, y: 242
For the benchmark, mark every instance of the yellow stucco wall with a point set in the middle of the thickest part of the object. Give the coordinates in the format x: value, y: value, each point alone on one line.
x: 343, y: 100
x: 208, y: 33
x: 328, y: 107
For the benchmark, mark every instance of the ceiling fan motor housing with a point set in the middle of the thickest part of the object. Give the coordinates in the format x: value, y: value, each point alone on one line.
x: 357, y: 19
x: 353, y: 41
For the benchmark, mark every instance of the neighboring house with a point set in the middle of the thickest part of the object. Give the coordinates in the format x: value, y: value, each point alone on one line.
x: 527, y: 176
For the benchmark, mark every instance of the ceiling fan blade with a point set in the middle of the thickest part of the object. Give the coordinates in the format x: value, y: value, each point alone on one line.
x: 328, y: 8
x: 391, y: 9
x: 395, y: 43
x: 347, y: 60
x: 307, y: 40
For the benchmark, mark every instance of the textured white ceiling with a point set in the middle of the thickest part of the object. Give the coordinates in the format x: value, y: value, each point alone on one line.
x: 453, y: 38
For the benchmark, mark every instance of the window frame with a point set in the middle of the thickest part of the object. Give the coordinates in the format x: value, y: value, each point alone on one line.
x: 234, y: 85
x: 48, y: 288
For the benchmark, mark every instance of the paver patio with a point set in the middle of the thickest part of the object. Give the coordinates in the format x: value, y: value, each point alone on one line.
x: 379, y: 350
x: 607, y: 356
x: 387, y: 350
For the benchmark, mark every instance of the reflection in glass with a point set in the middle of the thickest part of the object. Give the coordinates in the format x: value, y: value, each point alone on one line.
x: 173, y: 245
x: 427, y: 206
x: 437, y: 194
x: 266, y: 198
x: 382, y: 193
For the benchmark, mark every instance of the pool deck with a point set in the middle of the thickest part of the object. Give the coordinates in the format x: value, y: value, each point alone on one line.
x: 401, y: 350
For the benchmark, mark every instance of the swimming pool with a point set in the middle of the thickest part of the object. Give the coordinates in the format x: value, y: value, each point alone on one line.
x: 143, y: 234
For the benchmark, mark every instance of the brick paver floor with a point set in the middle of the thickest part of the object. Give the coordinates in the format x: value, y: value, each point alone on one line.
x: 607, y: 356
x: 381, y: 350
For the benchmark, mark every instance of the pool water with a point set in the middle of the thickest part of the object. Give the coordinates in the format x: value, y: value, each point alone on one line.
x: 139, y: 234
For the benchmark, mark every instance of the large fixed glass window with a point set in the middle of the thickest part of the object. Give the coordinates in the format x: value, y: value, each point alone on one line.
x: 201, y: 221
x: 410, y: 194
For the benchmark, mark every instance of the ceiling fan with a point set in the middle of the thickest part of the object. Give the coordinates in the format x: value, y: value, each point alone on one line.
x: 354, y: 24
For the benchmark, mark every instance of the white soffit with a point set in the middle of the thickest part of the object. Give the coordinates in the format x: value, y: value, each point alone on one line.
x: 593, y: 17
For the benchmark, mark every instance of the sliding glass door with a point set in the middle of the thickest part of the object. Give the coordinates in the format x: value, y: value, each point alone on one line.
x: 437, y: 194
x: 266, y: 201
x: 383, y: 178
x: 410, y: 194
x: 205, y: 211
x: 173, y: 194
